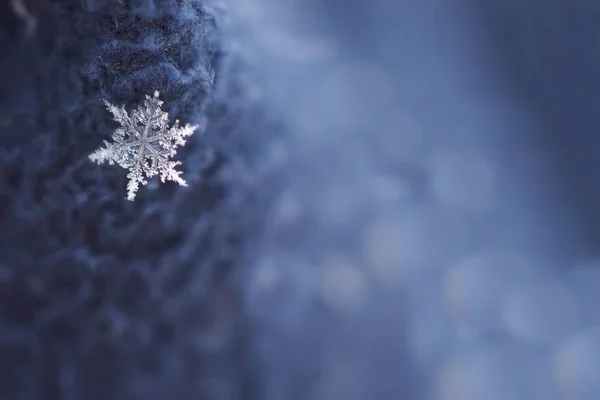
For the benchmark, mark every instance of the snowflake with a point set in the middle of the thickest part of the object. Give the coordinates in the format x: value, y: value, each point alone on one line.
x: 144, y: 144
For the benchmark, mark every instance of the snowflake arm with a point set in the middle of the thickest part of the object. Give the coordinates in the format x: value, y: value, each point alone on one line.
x: 144, y: 144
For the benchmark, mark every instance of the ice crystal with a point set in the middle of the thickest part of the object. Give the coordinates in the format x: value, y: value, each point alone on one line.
x: 144, y: 144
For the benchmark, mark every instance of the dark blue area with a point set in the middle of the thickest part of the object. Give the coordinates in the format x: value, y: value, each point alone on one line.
x: 100, y: 299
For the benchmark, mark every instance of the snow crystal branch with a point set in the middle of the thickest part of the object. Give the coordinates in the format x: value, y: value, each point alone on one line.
x: 144, y: 144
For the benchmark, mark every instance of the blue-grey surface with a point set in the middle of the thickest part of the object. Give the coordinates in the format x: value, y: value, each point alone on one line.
x: 392, y: 199
x: 420, y: 244
x: 101, y: 299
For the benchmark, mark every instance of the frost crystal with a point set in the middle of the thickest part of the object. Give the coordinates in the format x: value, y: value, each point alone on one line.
x: 144, y: 144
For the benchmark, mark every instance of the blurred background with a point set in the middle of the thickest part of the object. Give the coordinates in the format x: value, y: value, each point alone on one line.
x: 390, y: 200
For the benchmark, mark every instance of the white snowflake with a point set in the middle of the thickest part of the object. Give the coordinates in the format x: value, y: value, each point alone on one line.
x: 144, y: 144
